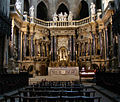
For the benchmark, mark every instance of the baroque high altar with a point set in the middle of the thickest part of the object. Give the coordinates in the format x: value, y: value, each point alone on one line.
x: 61, y: 46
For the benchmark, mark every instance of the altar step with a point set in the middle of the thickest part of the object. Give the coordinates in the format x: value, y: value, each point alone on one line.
x: 38, y: 79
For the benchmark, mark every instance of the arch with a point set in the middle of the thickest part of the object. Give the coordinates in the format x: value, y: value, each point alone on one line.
x: 62, y: 8
x: 59, y: 2
x: 84, y: 11
x: 42, y: 11
x: 26, y: 6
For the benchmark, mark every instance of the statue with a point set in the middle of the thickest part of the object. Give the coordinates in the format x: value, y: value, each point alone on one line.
x: 31, y: 11
x: 70, y: 17
x: 61, y: 17
x: 55, y: 17
x: 92, y: 8
x: 18, y: 5
x: 65, y: 16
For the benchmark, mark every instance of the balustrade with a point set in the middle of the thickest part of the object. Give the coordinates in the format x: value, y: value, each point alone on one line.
x: 50, y: 24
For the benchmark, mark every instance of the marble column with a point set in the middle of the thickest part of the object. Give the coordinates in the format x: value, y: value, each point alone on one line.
x: 83, y: 48
x: 33, y: 47
x: 37, y: 48
x: 46, y: 49
x: 52, y: 48
x: 41, y: 48
x: 71, y: 50
x: 106, y: 40
x: 5, y: 62
x: 89, y: 47
x: 74, y: 52
x: 100, y: 39
x: 80, y: 49
x: 93, y: 44
x: 19, y: 44
x: 25, y: 44
x: 12, y: 38
x: 70, y: 54
x: 55, y: 47
x: 105, y: 46
x: 69, y: 44
x: 31, y: 44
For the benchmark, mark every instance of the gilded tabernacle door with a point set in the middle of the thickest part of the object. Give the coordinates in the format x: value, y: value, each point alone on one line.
x: 63, y: 54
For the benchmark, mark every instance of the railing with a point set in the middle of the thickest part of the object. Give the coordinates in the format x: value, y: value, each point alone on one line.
x: 73, y: 23
x: 52, y: 24
x: 41, y: 22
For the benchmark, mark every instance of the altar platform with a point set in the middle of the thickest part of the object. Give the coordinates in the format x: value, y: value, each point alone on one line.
x: 52, y: 71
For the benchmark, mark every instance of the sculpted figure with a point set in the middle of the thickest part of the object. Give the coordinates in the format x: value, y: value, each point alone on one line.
x: 18, y: 5
x: 61, y: 17
x: 92, y: 8
x: 65, y: 16
x: 70, y: 17
x: 31, y: 11
x: 55, y: 17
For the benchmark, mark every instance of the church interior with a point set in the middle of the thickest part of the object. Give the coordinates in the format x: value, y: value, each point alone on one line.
x: 52, y: 48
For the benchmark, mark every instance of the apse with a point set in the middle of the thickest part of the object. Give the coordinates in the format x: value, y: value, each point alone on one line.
x: 62, y: 8
x: 42, y: 12
x: 84, y: 10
